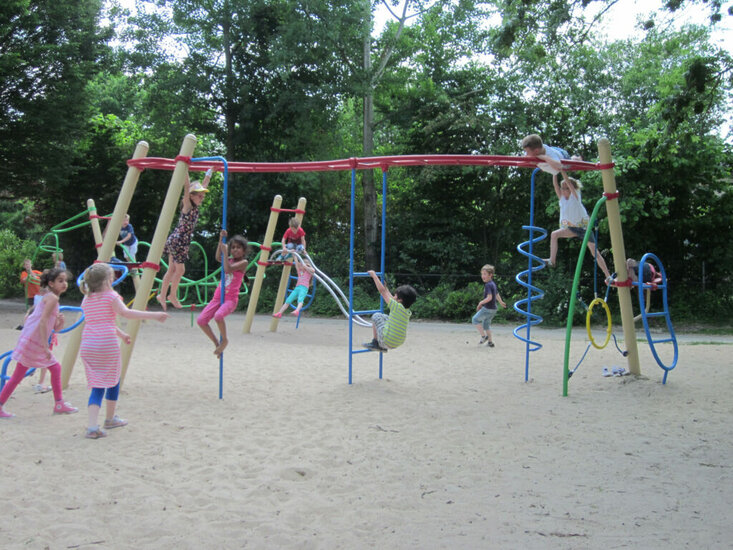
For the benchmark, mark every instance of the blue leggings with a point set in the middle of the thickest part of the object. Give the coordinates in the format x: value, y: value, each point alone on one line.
x: 95, y: 398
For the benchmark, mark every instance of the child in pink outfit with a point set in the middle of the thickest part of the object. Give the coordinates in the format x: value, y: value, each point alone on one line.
x: 100, y: 347
x: 299, y: 293
x: 32, y: 350
x: 234, y: 265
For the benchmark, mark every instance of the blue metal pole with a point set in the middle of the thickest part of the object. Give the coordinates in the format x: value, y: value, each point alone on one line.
x: 351, y: 271
x: 225, y: 193
x: 384, y: 246
x: 529, y: 274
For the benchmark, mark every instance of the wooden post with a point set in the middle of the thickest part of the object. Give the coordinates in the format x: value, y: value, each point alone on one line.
x: 280, y: 299
x: 260, y: 274
x: 619, y: 256
x: 104, y: 253
x: 167, y: 212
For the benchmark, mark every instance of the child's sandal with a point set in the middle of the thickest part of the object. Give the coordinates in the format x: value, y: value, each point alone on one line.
x: 95, y: 433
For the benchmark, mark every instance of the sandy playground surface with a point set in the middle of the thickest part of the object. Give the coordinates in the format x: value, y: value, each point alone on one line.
x: 452, y: 449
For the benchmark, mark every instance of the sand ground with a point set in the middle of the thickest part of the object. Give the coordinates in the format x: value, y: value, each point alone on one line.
x: 451, y: 449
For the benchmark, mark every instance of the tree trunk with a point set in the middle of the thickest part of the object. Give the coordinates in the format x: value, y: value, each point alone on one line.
x: 229, y: 117
x: 371, y: 233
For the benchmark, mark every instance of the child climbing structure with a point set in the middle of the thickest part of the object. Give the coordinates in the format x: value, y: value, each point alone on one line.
x: 263, y: 263
x: 183, y: 162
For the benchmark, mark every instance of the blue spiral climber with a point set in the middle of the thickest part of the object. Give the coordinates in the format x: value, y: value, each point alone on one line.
x: 524, y: 278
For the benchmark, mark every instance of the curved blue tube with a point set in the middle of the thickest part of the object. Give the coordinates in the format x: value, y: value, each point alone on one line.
x: 4, y: 373
x: 664, y: 313
x: 79, y: 321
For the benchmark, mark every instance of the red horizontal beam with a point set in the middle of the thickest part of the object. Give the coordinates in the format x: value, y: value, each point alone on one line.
x: 364, y: 163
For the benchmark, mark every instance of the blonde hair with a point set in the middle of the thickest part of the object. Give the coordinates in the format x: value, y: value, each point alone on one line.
x: 488, y: 268
x: 532, y: 141
x: 294, y: 223
x: 575, y: 183
x: 94, y: 278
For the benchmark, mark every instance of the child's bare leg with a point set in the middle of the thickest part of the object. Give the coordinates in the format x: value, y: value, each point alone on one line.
x: 553, y: 246
x: 111, y: 407
x: 557, y: 234
x: 178, y: 272
x: 599, y: 259
x: 210, y: 333
x: 165, y: 283
x: 93, y: 412
x: 224, y: 341
x: 480, y: 328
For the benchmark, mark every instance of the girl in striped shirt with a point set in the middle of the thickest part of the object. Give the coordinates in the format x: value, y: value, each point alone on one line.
x: 100, y: 348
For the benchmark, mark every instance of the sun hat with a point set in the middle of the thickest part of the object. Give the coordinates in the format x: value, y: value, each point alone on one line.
x: 196, y: 187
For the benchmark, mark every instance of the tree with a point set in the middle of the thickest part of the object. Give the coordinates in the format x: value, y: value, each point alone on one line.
x: 48, y: 53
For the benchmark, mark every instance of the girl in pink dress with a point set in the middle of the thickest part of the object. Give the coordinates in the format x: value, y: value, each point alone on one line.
x: 32, y: 349
x: 100, y: 348
x: 178, y: 242
x: 234, y: 269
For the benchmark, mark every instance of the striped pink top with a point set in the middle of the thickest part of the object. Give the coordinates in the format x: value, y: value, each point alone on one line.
x: 100, y: 346
x: 30, y: 351
x: 304, y: 278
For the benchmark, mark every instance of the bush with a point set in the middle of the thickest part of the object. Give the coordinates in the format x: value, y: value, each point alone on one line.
x: 445, y: 302
x: 13, y: 250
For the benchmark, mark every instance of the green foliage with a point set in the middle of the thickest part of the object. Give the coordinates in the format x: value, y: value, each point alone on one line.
x: 22, y: 217
x: 13, y: 250
x: 273, y: 80
x: 49, y: 52
x: 707, y: 307
x: 448, y: 303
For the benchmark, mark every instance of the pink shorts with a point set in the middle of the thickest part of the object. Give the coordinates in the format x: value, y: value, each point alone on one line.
x: 216, y: 310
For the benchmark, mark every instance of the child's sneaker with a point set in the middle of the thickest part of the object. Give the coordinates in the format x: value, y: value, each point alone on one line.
x: 40, y: 388
x: 374, y: 345
x: 64, y: 407
x: 490, y: 344
x: 483, y: 340
x: 277, y: 315
x: 114, y: 422
x: 5, y: 414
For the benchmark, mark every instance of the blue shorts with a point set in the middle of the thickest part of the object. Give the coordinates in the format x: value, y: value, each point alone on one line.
x: 484, y: 316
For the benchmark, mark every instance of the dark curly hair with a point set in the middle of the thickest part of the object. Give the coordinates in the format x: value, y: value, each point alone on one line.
x: 50, y: 275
